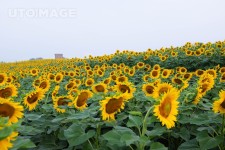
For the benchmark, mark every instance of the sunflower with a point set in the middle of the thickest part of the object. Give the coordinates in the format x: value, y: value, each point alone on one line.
x: 31, y: 99
x: 8, y: 91
x: 34, y: 72
x: 140, y: 65
x: 222, y: 70
x: 131, y: 72
x: 156, y: 67
x: 211, y: 72
x: 107, y: 81
x: 182, y: 70
x: 62, y: 101
x: 80, y: 101
x: 199, y: 72
x: 6, y: 143
x: 44, y: 85
x: 112, y: 105
x: 12, y: 110
x: 222, y: 78
x: 125, y: 87
x: 187, y: 76
x: 165, y: 73
x: 122, y: 79
x: 100, y: 87
x: 161, y: 88
x: 189, y: 53
x: 3, y: 78
x: 100, y: 73
x: 167, y: 110
x: 89, y: 82
x: 219, y: 105
x: 58, y: 77
x: 51, y: 76
x: 154, y: 74
x: 70, y: 85
x: 148, y: 89
x: 146, y: 77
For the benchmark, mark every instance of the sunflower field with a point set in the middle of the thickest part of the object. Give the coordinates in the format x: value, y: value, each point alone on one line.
x: 170, y: 98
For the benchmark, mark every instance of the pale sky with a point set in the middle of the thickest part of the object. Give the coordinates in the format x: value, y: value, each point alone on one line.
x: 101, y: 27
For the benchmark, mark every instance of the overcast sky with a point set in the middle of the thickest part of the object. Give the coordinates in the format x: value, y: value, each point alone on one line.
x: 97, y: 27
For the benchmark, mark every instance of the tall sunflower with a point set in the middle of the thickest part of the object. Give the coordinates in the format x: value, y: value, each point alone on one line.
x: 111, y: 105
x: 167, y: 110
x: 31, y: 99
x: 219, y: 105
x: 12, y: 110
x: 80, y: 101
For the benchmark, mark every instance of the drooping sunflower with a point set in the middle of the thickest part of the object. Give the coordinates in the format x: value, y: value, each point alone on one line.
x: 219, y: 105
x: 112, y: 105
x: 3, y: 78
x: 62, y: 101
x: 167, y: 110
x: 148, y: 89
x: 100, y: 87
x: 89, y: 82
x: 31, y: 99
x: 161, y: 89
x: 125, y: 87
x: 80, y: 101
x: 6, y: 143
x: 12, y: 110
x: 8, y: 91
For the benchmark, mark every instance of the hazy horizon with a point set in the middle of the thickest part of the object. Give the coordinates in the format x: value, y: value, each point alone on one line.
x: 32, y: 29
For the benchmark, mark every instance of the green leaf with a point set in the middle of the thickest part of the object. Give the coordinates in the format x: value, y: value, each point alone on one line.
x: 21, y: 143
x: 5, y: 132
x: 156, y: 132
x: 129, y: 138
x: 189, y: 145
x: 134, y: 121
x: 33, y: 116
x: 157, y: 146
x: 207, y: 142
x: 135, y: 113
x: 76, y: 135
x: 112, y: 136
x: 184, y: 134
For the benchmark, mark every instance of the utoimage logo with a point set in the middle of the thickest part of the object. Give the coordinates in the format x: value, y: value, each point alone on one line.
x: 42, y: 13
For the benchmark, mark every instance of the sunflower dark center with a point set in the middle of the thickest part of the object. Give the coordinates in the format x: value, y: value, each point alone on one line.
x: 5, y: 93
x: 43, y: 85
x: 33, y: 98
x: 62, y: 101
x: 178, y: 81
x: 113, y: 105
x: 223, y: 104
x: 165, y: 108
x: 70, y: 85
x: 163, y: 90
x: 149, y: 89
x: 124, y: 88
x: 1, y: 78
x: 99, y: 88
x: 6, y: 110
x: 155, y: 73
x: 82, y: 98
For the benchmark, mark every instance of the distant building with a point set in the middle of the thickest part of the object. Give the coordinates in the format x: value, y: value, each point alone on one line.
x: 58, y: 56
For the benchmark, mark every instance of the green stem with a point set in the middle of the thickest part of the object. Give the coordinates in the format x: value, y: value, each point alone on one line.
x: 90, y: 145
x: 98, y: 134
x: 144, y: 127
x: 131, y: 147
